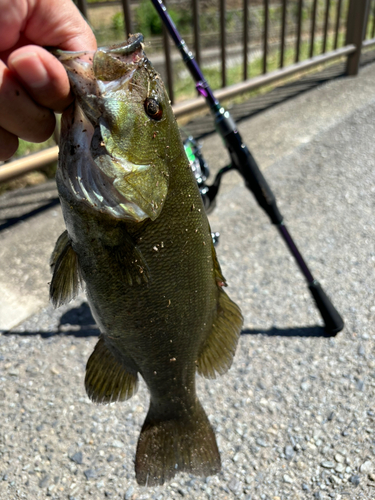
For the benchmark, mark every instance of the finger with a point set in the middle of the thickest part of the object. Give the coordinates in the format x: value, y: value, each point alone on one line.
x: 20, y: 114
x: 45, y: 22
x: 59, y: 24
x: 8, y: 144
x: 42, y: 75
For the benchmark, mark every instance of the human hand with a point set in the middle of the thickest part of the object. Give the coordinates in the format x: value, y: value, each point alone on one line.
x: 33, y: 83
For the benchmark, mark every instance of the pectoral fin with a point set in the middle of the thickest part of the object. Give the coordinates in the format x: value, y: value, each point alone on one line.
x: 217, y: 354
x: 66, y: 275
x: 107, y: 380
x: 132, y: 264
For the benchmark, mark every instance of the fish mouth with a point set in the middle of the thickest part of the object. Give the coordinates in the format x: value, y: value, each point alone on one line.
x: 92, y: 168
x: 133, y: 43
x: 131, y: 46
x: 103, y: 70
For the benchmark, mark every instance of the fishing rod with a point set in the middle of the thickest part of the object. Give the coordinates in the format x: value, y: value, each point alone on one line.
x: 243, y: 161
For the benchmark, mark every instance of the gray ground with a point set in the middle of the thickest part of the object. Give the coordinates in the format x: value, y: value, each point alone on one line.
x: 295, y: 415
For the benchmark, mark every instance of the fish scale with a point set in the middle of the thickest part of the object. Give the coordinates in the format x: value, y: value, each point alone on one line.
x: 144, y: 251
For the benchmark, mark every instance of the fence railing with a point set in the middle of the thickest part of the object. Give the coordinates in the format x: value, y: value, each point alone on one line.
x: 268, y: 40
x: 304, y: 24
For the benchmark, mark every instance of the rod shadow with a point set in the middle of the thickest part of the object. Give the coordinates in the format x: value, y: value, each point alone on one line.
x: 15, y: 220
x: 79, y: 322
x: 301, y: 331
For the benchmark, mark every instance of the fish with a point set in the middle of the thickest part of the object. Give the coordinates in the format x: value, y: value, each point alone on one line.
x: 138, y: 239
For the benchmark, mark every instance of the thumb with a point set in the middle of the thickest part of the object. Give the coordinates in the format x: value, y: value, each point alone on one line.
x: 42, y: 75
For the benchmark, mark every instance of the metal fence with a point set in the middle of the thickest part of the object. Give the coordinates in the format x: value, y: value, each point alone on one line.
x: 310, y: 24
x: 285, y: 36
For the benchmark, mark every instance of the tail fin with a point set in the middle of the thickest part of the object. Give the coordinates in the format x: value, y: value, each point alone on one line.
x: 166, y: 447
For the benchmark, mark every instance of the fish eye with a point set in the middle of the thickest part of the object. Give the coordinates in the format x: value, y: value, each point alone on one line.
x: 153, y: 108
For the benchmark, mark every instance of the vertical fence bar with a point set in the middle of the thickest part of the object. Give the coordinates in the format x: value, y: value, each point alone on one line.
x: 223, y: 43
x: 82, y: 5
x: 313, y: 23
x: 282, y: 39
x: 337, y: 28
x: 168, y: 61
x: 127, y: 17
x: 197, y: 38
x: 367, y: 19
x: 373, y: 23
x: 354, y: 33
x: 299, y: 29
x: 326, y: 25
x: 245, y: 38
x: 265, y: 40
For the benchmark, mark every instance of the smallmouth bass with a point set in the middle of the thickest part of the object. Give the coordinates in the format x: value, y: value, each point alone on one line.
x: 138, y: 237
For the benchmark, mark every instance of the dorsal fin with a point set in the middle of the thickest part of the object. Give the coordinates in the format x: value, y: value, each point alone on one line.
x: 66, y: 277
x: 220, y: 280
x: 60, y: 244
x: 217, y: 354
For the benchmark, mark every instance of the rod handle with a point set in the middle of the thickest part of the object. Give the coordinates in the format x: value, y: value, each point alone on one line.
x: 332, y: 320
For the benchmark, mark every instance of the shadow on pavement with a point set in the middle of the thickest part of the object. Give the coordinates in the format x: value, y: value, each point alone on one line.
x: 79, y: 322
x: 302, y: 331
x: 15, y: 220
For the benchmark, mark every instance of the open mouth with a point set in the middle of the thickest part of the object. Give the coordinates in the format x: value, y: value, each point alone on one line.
x: 102, y: 71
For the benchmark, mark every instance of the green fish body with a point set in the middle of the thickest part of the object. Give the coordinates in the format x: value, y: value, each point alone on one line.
x: 138, y: 237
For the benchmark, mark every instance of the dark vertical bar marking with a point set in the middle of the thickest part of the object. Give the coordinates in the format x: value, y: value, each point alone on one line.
x: 245, y: 38
x: 299, y: 29
x: 373, y: 23
x: 313, y: 23
x: 265, y: 40
x: 337, y: 28
x: 197, y: 40
x: 223, y: 43
x: 282, y: 39
x: 326, y: 25
x: 127, y: 17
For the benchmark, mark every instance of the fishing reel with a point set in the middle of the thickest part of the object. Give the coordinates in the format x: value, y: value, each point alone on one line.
x: 201, y: 173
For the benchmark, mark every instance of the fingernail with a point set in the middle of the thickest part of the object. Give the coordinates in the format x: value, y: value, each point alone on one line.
x: 31, y: 70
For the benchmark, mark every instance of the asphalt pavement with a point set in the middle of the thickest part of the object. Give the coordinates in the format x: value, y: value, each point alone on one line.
x: 295, y: 415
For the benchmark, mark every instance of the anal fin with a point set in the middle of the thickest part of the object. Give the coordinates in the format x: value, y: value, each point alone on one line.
x: 66, y: 277
x: 107, y: 380
x: 217, y: 353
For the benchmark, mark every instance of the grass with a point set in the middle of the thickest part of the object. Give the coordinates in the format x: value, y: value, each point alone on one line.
x: 26, y: 148
x: 184, y: 88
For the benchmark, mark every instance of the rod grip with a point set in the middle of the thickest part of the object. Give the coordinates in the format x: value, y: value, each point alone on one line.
x: 332, y: 320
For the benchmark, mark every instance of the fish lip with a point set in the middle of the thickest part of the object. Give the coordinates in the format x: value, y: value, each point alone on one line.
x: 84, y: 68
x: 123, y: 50
x: 133, y: 43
